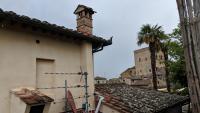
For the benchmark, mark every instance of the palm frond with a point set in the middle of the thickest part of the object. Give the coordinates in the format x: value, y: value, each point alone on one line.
x: 151, y: 34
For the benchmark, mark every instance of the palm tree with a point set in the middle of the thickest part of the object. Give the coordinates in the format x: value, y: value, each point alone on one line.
x: 151, y: 35
x: 165, y: 49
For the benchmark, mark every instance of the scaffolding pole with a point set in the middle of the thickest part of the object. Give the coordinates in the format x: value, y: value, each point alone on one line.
x: 86, y: 93
x: 66, y: 96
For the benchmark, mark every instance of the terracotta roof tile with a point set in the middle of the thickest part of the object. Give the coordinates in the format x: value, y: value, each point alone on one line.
x: 32, y: 97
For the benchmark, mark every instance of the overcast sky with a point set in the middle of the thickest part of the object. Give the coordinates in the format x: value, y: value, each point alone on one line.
x: 121, y: 19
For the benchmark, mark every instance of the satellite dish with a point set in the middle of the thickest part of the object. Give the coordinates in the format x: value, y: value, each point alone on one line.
x: 71, y: 102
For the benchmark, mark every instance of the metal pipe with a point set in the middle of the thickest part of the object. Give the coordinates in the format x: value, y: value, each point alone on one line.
x: 99, y: 104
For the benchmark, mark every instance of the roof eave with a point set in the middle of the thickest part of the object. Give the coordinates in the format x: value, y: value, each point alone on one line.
x: 12, y: 19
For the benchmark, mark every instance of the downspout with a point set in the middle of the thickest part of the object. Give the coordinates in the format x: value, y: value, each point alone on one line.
x: 99, y: 104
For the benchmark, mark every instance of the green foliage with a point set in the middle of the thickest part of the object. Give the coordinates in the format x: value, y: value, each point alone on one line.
x: 151, y: 34
x: 172, y: 47
x: 177, y: 60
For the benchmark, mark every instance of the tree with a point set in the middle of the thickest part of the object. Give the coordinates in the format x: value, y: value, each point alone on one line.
x: 151, y: 35
x: 177, y: 60
x: 165, y: 50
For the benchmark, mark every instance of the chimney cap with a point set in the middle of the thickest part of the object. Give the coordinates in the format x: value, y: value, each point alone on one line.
x: 81, y: 8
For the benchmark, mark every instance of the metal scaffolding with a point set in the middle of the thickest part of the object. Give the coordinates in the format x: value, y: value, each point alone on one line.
x: 66, y: 87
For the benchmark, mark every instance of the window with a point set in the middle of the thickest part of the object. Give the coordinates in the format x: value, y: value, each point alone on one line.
x: 161, y: 57
x: 139, y: 59
x: 149, y: 70
x: 37, y: 109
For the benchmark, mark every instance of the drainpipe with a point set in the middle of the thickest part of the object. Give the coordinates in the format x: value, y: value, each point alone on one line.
x: 99, y: 104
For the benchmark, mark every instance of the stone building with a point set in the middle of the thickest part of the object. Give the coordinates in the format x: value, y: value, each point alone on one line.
x: 143, y: 65
x: 127, y: 75
x: 141, y: 74
x: 100, y: 80
x: 130, y: 72
x: 143, y: 61
x: 121, y: 98
x: 37, y: 57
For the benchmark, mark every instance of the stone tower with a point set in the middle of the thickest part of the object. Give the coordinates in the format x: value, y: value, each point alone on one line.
x: 84, y: 19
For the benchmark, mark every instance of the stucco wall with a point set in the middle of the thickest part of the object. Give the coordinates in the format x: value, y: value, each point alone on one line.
x: 107, y: 109
x: 17, y: 106
x: 18, y: 54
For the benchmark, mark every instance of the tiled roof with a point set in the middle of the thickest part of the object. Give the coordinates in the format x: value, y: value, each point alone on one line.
x: 32, y: 97
x: 9, y: 19
x: 130, y: 99
x: 100, y: 78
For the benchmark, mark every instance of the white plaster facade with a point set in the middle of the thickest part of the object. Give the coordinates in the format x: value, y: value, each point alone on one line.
x: 20, y: 57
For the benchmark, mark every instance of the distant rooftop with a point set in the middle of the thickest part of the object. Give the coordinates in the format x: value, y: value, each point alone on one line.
x: 142, y: 49
x: 100, y: 78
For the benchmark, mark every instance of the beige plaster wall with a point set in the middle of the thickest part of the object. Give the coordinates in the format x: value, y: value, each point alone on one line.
x: 106, y: 109
x: 18, y: 54
x: 17, y: 106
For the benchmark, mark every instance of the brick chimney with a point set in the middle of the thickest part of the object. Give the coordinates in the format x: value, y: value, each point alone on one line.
x: 84, y: 19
